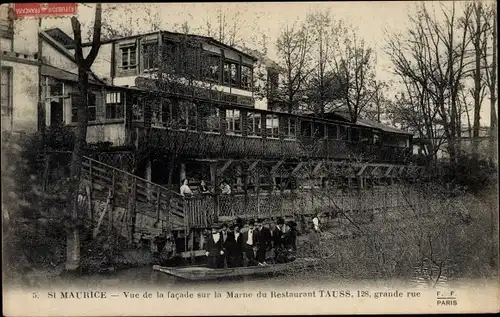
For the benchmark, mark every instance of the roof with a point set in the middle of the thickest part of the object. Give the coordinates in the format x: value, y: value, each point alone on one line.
x: 382, y: 126
x: 60, y: 36
x: 61, y: 74
x: 364, y: 122
x: 195, y: 36
x: 54, y: 43
x: 262, y: 58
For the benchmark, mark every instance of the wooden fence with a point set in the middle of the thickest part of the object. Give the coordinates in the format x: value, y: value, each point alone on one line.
x: 147, y: 205
x: 207, y: 208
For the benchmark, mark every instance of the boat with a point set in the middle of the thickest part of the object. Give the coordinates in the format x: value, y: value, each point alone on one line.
x: 199, y: 273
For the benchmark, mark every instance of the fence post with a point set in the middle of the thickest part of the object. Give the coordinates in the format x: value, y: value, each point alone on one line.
x: 158, y: 201
x: 91, y: 186
x: 132, y: 209
x: 112, y: 204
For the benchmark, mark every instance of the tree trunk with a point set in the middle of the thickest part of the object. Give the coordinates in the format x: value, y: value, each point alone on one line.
x: 477, y: 81
x: 493, y: 97
x: 81, y: 100
x: 73, y: 239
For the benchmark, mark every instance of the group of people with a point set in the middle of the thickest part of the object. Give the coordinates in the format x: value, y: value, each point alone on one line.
x: 256, y: 245
x: 186, y: 191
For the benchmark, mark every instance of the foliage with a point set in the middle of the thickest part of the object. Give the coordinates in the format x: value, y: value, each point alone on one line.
x: 433, y: 61
x: 470, y: 172
x: 442, y: 237
x: 31, y: 239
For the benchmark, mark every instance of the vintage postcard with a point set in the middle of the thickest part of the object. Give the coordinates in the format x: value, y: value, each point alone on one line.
x: 249, y: 158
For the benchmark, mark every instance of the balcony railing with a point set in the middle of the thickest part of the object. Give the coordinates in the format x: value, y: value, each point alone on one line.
x: 218, y: 145
x: 206, y: 92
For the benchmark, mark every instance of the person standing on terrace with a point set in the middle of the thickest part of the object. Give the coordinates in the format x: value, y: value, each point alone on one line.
x: 204, y: 188
x: 185, y: 191
x: 225, y: 188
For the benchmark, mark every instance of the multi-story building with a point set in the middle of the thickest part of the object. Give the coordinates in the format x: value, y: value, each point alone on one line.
x: 187, y: 106
x: 19, y: 72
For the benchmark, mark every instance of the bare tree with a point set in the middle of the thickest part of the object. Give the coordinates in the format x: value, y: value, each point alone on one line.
x: 123, y: 20
x: 293, y: 46
x: 431, y: 62
x: 479, y: 29
x: 227, y: 26
x: 323, y: 85
x: 490, y: 77
x: 84, y: 64
x: 354, y: 65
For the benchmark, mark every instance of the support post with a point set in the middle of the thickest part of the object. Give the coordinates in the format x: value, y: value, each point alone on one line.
x: 215, y: 181
x: 132, y: 209
x: 158, y: 204
x: 148, y: 177
x: 89, y: 194
x: 183, y: 171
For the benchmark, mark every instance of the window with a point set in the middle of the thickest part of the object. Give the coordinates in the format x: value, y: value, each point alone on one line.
x: 273, y: 81
x: 319, y: 130
x: 254, y: 124
x: 91, y: 103
x: 92, y: 106
x: 5, y: 93
x: 213, y: 68
x: 332, y: 131
x: 129, y: 57
x: 344, y: 133
x: 57, y: 89
x: 6, y: 22
x: 114, y: 105
x: 150, y: 54
x: 184, y: 115
x: 233, y: 119
x: 192, y: 116
x: 355, y: 134
x: 305, y: 128
x: 209, y: 116
x: 365, y: 136
x: 166, y: 112
x: 246, y: 77
x: 137, y: 108
x: 230, y: 74
x: 169, y: 57
x: 292, y: 124
x: 272, y: 126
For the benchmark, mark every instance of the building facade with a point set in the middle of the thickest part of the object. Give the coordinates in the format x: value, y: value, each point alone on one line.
x: 19, y: 72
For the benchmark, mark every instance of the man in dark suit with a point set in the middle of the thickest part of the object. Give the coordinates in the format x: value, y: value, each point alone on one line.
x: 235, y: 247
x: 224, y: 236
x: 264, y: 242
x: 250, y: 240
x: 278, y: 241
x: 214, y: 249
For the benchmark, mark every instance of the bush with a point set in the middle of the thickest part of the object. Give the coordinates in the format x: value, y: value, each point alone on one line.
x: 455, y: 235
x: 470, y: 172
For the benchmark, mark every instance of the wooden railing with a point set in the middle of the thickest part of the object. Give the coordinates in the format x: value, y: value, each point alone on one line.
x: 281, y: 204
x: 147, y: 203
x: 202, y: 144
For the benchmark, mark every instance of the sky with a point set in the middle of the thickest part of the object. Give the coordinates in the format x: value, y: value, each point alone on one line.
x: 371, y: 20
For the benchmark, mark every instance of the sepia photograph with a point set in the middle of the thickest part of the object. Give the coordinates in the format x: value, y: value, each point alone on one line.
x: 227, y: 158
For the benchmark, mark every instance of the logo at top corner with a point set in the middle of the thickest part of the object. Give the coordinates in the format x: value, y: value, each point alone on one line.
x: 40, y: 10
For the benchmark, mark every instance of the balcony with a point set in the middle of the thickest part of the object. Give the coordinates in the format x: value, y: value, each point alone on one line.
x: 199, y: 144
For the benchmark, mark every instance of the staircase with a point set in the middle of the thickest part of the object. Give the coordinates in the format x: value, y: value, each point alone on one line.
x: 137, y: 207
